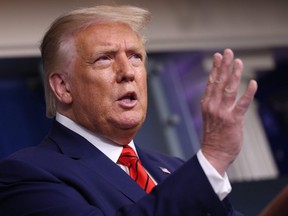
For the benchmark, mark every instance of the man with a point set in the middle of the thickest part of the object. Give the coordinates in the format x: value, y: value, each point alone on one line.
x: 95, y: 84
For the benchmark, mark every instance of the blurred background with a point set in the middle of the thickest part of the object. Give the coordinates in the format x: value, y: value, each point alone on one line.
x: 182, y: 38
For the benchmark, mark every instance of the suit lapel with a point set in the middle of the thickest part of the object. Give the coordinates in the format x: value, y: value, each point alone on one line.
x: 156, y: 168
x: 76, y: 147
x: 103, y: 166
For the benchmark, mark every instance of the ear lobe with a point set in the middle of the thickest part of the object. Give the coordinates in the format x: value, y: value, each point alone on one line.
x: 60, y: 87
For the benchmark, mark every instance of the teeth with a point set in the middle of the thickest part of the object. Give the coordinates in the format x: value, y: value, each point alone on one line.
x: 126, y: 100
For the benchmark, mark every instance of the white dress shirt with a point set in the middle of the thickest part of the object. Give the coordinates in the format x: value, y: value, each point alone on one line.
x: 221, y: 185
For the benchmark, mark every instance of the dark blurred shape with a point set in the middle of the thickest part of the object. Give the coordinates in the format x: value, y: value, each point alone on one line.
x: 278, y: 206
x: 22, y: 106
x: 272, y: 97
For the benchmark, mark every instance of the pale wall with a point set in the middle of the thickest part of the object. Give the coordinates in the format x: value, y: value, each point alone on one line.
x: 183, y: 24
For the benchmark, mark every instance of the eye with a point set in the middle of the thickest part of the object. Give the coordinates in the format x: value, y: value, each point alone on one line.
x: 136, y: 59
x: 137, y: 56
x: 104, y: 60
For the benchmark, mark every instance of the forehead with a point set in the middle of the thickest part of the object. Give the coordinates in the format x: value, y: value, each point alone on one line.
x: 109, y: 34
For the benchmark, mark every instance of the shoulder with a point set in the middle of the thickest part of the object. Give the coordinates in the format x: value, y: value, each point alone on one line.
x: 31, y: 162
x: 35, y: 153
x: 24, y: 166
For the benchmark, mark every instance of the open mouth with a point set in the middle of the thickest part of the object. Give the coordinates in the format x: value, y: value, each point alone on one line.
x: 128, y: 97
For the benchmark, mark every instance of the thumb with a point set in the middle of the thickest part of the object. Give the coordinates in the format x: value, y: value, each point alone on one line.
x: 245, y: 100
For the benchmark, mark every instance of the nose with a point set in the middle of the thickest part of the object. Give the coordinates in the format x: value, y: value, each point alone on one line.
x: 124, y: 70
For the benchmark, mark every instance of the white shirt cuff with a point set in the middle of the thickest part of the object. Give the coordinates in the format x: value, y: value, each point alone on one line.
x: 220, y: 184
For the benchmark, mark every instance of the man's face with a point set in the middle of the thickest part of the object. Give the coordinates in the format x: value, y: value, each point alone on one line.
x: 108, y: 81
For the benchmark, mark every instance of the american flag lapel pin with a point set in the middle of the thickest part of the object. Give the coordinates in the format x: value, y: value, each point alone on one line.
x: 164, y: 170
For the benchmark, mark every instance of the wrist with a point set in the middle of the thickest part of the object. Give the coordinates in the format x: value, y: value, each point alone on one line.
x: 218, y: 159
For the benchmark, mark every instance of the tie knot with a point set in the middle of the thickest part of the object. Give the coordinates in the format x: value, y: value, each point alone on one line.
x: 128, y: 156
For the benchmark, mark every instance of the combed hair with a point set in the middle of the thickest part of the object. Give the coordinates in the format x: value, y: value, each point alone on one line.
x: 56, y: 44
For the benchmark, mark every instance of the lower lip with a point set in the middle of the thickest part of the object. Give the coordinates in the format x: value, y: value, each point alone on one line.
x: 127, y: 104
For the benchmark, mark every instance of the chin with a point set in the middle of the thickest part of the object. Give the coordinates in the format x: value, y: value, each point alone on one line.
x: 130, y: 123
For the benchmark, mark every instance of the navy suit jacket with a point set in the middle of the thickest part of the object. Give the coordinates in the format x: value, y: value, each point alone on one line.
x: 67, y: 175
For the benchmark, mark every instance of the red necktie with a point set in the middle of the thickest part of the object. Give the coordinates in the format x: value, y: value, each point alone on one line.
x: 137, y: 172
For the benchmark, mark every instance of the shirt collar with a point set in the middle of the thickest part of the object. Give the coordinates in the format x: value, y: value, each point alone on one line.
x: 111, y: 149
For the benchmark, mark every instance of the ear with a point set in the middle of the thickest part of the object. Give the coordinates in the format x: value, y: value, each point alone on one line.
x: 60, y: 87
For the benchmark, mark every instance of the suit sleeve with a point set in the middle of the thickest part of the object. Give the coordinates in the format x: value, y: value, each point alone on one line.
x: 185, y: 192
x: 32, y: 191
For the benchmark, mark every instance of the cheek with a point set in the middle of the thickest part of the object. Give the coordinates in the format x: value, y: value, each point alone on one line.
x: 96, y: 87
x: 144, y: 93
x: 91, y: 95
x: 143, y: 87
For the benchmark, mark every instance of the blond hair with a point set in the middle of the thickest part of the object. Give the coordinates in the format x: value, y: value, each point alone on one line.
x: 56, y: 43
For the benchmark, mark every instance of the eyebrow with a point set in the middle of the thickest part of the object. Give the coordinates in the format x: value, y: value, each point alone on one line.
x: 110, y: 47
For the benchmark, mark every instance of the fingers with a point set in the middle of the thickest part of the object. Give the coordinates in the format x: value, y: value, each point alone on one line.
x: 217, y: 59
x: 246, y: 99
x: 231, y: 88
x: 225, y: 69
x: 223, y: 84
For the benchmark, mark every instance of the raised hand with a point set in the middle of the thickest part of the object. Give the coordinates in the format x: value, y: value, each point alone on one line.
x: 223, y: 114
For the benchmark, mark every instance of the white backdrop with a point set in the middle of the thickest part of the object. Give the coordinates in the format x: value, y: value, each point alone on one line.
x: 176, y: 25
